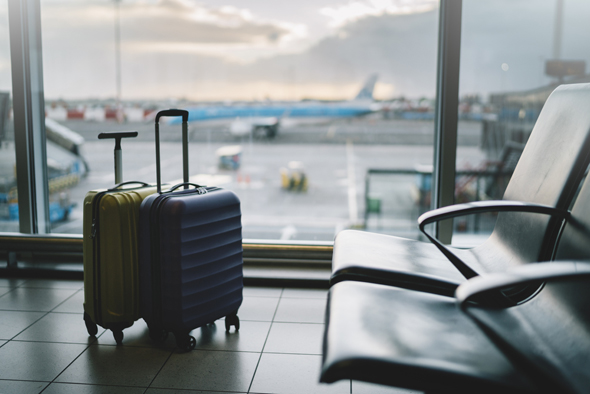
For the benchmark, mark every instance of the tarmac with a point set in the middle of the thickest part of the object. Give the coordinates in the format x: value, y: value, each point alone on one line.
x: 335, y: 158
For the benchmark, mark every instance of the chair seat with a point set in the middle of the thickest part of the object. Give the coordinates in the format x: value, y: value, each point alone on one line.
x: 548, y: 336
x: 410, y: 339
x: 394, y: 261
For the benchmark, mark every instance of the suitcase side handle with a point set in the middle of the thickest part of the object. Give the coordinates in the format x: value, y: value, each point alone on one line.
x: 141, y: 184
x: 173, y: 112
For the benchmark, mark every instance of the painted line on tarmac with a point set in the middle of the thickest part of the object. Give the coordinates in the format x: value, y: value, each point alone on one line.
x: 288, y: 232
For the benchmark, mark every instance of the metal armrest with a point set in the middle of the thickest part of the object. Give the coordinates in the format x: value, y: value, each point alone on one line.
x: 480, y: 286
x: 452, y: 211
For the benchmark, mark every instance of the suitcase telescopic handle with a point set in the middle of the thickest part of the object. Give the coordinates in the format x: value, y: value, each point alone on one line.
x: 173, y: 112
x: 117, y: 135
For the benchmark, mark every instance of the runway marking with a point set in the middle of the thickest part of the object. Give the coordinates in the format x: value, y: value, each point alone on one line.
x: 288, y: 232
x: 352, y: 203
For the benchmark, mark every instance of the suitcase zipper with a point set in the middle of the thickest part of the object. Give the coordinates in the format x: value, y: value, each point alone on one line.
x: 155, y: 259
x: 96, y: 258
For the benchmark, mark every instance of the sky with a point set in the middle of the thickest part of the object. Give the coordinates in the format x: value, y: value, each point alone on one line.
x: 259, y: 49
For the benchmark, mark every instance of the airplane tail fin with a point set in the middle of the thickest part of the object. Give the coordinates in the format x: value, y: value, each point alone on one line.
x: 366, y: 93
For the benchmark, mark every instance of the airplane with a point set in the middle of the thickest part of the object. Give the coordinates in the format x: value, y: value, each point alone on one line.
x: 266, y: 118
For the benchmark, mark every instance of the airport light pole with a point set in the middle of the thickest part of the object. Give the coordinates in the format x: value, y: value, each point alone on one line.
x: 558, y: 30
x: 118, y: 60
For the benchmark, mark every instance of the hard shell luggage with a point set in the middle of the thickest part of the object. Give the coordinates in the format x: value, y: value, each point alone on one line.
x: 190, y: 254
x: 111, y: 284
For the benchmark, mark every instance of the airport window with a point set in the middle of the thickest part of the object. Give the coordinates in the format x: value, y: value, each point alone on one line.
x: 272, y: 94
x: 320, y: 116
x: 510, y: 63
x: 8, y: 185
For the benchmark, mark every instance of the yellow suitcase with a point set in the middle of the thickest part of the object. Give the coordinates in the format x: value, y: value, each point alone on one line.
x: 110, y: 227
x: 111, y: 287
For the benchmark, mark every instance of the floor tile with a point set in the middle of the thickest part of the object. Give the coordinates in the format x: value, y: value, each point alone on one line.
x: 257, y: 308
x: 301, y: 310
x: 13, y: 322
x: 31, y: 299
x: 305, y: 293
x: 137, y: 335
x: 263, y: 291
x: 168, y: 391
x: 369, y: 388
x: 293, y: 374
x: 4, y: 290
x: 295, y: 338
x: 74, y: 304
x: 116, y: 365
x: 250, y: 337
x: 53, y: 284
x: 69, y: 388
x: 208, y: 370
x: 59, y: 327
x: 19, y: 387
x: 36, y: 361
x: 9, y: 282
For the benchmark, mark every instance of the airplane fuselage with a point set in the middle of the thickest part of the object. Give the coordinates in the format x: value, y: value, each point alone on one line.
x: 277, y: 111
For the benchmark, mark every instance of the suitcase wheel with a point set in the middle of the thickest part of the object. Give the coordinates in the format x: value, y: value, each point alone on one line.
x: 90, y: 325
x: 158, y: 335
x: 185, y: 342
x: 118, y: 335
x: 232, y: 320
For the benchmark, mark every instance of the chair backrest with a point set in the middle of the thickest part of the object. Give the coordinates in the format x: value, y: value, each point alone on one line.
x: 549, y: 172
x: 548, y: 336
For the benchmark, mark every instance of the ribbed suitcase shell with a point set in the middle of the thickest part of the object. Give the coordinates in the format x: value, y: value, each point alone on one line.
x: 190, y: 259
x: 110, y: 242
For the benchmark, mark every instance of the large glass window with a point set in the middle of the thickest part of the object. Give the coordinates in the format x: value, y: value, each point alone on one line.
x: 8, y: 187
x: 319, y: 115
x: 513, y: 54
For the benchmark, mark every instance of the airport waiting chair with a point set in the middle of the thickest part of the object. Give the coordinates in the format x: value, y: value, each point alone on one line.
x: 546, y: 337
x: 523, y: 330
x: 547, y: 176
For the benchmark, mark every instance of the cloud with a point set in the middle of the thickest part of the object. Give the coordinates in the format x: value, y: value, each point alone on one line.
x: 355, y: 10
x: 171, y: 25
x: 401, y: 48
x: 176, y: 21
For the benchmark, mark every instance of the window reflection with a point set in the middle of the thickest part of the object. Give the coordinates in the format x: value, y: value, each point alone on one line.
x: 510, y: 62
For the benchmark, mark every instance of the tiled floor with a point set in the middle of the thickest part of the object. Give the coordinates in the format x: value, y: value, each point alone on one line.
x: 44, y: 347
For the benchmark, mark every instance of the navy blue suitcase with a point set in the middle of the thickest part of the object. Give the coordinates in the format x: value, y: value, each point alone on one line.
x: 190, y: 254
